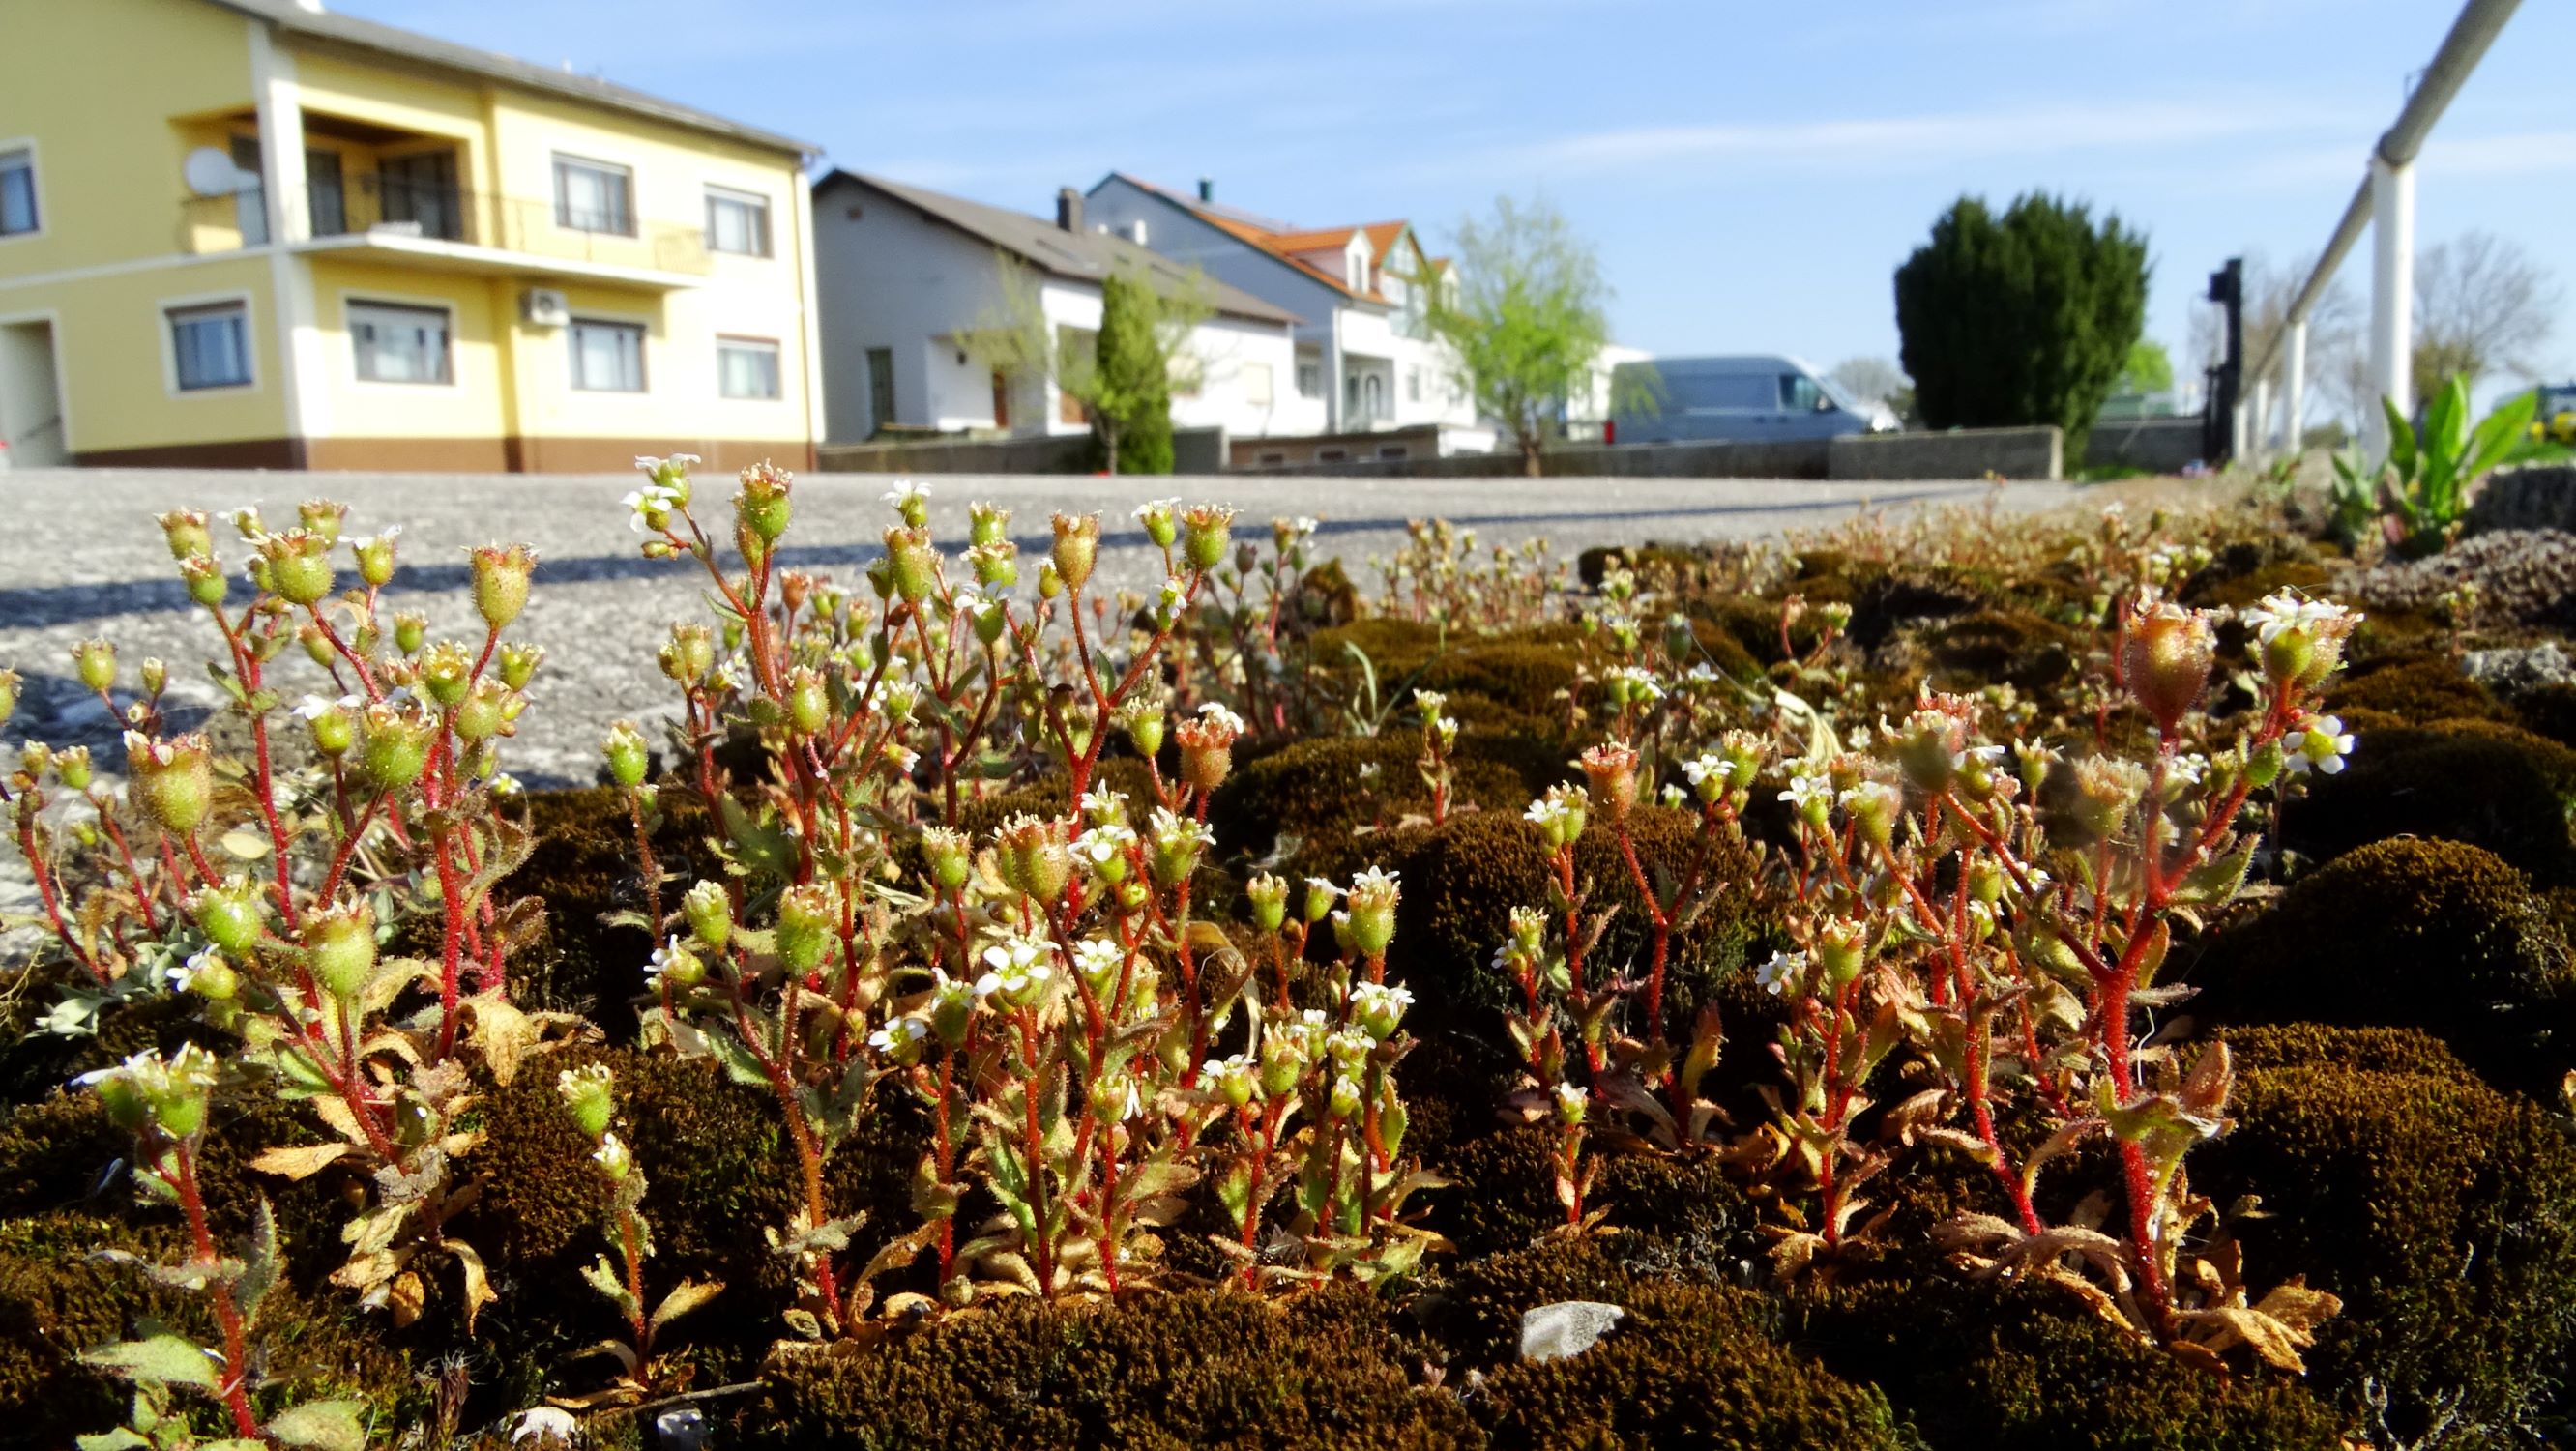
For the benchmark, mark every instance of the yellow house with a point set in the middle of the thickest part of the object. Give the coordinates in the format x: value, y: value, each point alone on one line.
x: 251, y: 233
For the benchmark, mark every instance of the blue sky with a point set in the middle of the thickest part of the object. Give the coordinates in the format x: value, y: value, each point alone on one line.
x: 1751, y: 173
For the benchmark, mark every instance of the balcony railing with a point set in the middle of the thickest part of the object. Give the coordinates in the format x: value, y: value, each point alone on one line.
x: 375, y: 206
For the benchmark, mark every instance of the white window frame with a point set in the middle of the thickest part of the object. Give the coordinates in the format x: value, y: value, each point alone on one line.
x: 563, y: 212
x: 163, y: 310
x: 349, y: 305
x: 718, y: 194
x: 777, y: 367
x: 1268, y: 393
x: 25, y: 147
x: 643, y: 354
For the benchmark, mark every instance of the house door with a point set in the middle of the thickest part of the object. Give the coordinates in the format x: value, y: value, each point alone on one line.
x: 1001, y: 401
x: 31, y: 399
x: 880, y: 389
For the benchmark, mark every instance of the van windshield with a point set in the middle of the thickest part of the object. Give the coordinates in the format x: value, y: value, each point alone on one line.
x: 1841, y: 395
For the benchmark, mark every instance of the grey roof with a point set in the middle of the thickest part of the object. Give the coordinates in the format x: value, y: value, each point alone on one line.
x: 1080, y: 256
x: 412, y: 46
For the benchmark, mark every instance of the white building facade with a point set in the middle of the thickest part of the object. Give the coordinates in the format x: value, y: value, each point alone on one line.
x: 1365, y: 357
x: 906, y: 276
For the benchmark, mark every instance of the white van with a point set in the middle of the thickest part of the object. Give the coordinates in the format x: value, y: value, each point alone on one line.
x: 1751, y: 398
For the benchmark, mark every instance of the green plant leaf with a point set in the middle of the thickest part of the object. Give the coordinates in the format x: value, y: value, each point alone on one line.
x: 162, y: 1360
x: 322, y: 1425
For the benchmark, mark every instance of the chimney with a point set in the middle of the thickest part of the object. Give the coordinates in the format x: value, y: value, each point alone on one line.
x: 1068, y: 209
x: 1207, y: 188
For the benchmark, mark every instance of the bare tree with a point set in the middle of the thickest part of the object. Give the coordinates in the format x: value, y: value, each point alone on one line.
x: 2482, y: 305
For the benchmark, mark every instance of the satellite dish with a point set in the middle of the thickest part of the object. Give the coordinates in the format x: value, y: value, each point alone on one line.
x: 209, y: 171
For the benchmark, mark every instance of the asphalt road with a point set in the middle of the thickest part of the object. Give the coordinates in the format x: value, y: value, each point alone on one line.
x: 83, y: 558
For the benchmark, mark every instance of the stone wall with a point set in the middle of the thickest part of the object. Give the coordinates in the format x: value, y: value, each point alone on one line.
x: 2159, y: 445
x: 1194, y: 451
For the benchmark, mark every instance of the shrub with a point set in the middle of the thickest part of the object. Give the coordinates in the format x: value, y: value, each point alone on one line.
x: 2023, y: 318
x: 1198, y: 1369
x: 2442, y: 1211
x: 2406, y: 933
x: 2017, y: 1367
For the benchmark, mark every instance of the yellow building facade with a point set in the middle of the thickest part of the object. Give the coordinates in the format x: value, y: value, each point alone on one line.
x: 251, y: 233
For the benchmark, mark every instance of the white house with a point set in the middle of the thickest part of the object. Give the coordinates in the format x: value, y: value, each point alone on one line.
x: 1365, y: 354
x: 907, y: 275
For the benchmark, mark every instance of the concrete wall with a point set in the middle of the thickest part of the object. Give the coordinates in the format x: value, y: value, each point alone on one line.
x: 2163, y: 445
x: 1966, y: 453
x: 1194, y: 451
x: 2015, y: 453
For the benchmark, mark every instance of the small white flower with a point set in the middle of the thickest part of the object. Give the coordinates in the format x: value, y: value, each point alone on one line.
x: 1373, y: 879
x: 1809, y: 790
x: 1318, y: 884
x: 179, y: 975
x: 1152, y: 507
x: 2319, y: 745
x: 1215, y: 713
x: 2189, y: 767
x: 1104, y: 843
x: 2283, y: 612
x: 899, y: 1034
x: 1703, y: 766
x: 1174, y: 832
x: 1305, y: 525
x: 1017, y: 966
x: 1097, y: 958
x: 906, y: 491
x: 1173, y: 592
x: 505, y: 784
x: 1783, y: 969
x: 1104, y: 806
x: 546, y: 1425
x: 314, y: 707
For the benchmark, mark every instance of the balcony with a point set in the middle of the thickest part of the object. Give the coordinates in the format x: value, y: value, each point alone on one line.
x: 406, y: 223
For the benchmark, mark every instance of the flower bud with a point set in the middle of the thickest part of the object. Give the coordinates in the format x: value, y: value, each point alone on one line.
x: 1115, y: 1098
x: 709, y: 912
x: 1369, y: 924
x: 1207, y: 746
x: 340, y: 945
x: 1050, y: 583
x: 762, y: 508
x: 2105, y: 790
x: 1177, y: 842
x: 809, y: 703
x: 613, y: 1157
x: 1034, y: 859
x: 590, y: 1097
x: 156, y: 675
x: 375, y: 555
x: 175, y: 777
x: 986, y: 525
x: 950, y: 857
x: 1156, y: 516
x: 1269, y: 897
x: 332, y: 729
x: 914, y: 563
x: 322, y: 519
x: 95, y: 662
x: 1320, y: 897
x: 186, y: 531
x: 501, y: 582
x: 485, y: 711
x: 2167, y: 659
x: 1875, y: 807
x: 1378, y: 1008
x: 1236, y: 1080
x: 228, y: 915
x: 1282, y: 1064
x: 299, y: 565
x: 445, y: 671
x: 1570, y: 1104
x: 73, y: 766
x: 210, y: 977
x: 206, y: 581
x: 1206, y: 535
x: 409, y: 630
x: 518, y: 662
x: 1840, y: 948
x: 690, y: 655
x: 393, y: 746
x: 1144, y: 721
x: 317, y: 645
x: 1344, y: 1101
x: 807, y: 923
x: 1611, y: 768
x: 629, y: 758
x: 996, y: 565
x: 1077, y: 544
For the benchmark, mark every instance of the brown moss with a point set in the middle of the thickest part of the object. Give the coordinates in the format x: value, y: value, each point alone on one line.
x: 2217, y: 588
x: 1502, y: 1191
x: 2416, y: 688
x: 2012, y: 647
x: 1204, y: 1368
x: 2442, y: 1211
x: 584, y: 867
x: 2017, y: 1367
x: 2483, y: 786
x: 1462, y: 879
x: 2407, y: 933
x: 56, y: 1302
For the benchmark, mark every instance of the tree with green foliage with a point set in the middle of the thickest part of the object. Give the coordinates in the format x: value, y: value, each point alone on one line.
x: 2022, y: 318
x: 1525, y: 320
x: 2148, y: 371
x: 1131, y: 393
x: 1121, y: 374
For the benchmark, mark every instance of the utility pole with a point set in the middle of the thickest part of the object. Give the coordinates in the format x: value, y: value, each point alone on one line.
x: 2227, y: 380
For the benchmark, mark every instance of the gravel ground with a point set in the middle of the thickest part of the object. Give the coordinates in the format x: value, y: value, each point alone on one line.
x: 86, y: 560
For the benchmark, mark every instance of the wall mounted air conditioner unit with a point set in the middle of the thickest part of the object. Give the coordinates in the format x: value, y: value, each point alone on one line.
x: 545, y: 307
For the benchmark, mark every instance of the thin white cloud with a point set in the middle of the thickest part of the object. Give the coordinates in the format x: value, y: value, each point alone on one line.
x: 2526, y: 153
x: 1954, y: 136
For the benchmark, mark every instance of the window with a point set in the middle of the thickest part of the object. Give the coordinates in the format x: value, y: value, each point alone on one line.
x: 594, y: 196
x: 210, y: 346
x: 1188, y: 373
x: 1333, y: 456
x: 398, y: 344
x: 747, y: 367
x: 607, y: 357
x: 1272, y: 456
x: 1310, y: 379
x: 880, y: 387
x: 420, y: 188
x: 1413, y: 385
x: 325, y: 198
x: 737, y: 222
x: 1392, y: 451
x: 1799, y: 394
x: 1722, y: 393
x: 1256, y: 384
x: 17, y: 192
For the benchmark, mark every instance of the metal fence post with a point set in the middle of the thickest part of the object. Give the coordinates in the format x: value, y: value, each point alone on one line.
x: 2392, y: 297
